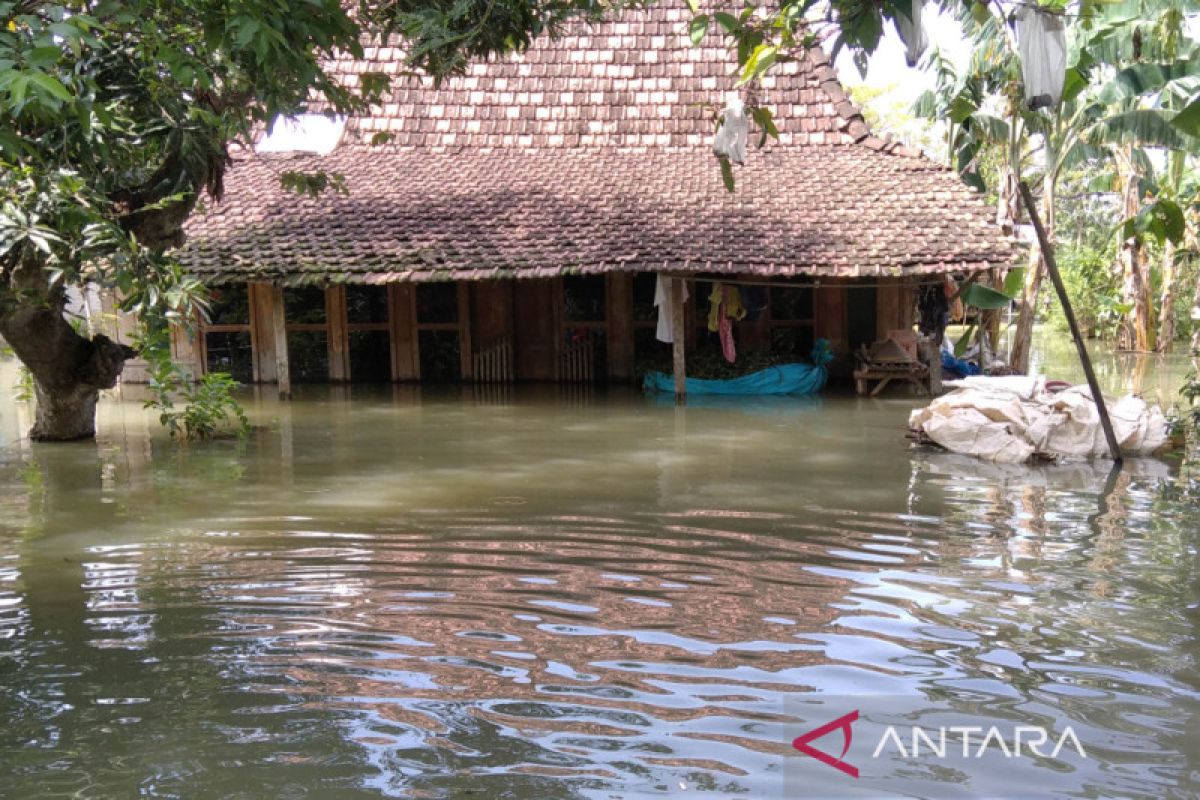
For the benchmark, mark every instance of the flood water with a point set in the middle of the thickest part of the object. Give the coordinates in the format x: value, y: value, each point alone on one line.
x: 552, y: 594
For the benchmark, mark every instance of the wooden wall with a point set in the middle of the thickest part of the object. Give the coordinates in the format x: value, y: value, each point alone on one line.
x: 530, y: 313
x: 538, y: 311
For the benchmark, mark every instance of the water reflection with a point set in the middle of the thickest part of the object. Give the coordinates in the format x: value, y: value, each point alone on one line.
x: 452, y: 595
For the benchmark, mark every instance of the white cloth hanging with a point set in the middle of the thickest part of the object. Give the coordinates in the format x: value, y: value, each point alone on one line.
x: 912, y: 33
x: 666, y: 309
x: 1042, y: 40
x: 730, y: 140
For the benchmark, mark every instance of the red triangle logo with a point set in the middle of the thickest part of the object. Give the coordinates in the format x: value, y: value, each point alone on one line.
x: 801, y: 743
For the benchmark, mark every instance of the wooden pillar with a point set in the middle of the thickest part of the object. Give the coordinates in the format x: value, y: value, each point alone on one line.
x: 339, y: 338
x: 465, y: 351
x: 406, y: 362
x: 677, y: 333
x: 185, y: 349
x: 262, y: 331
x: 932, y: 355
x: 620, y: 326
x: 283, y: 374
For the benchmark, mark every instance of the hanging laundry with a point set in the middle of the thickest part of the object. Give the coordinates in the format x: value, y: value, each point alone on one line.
x: 666, y: 313
x: 755, y: 299
x: 732, y: 300
x: 934, y: 309
x: 1042, y: 40
x: 912, y: 33
x: 730, y: 141
x: 725, y: 306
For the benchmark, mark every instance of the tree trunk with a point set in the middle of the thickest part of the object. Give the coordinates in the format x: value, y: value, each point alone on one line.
x: 1036, y: 270
x: 69, y: 370
x: 1166, y: 306
x: 1196, y: 323
x: 1135, y: 283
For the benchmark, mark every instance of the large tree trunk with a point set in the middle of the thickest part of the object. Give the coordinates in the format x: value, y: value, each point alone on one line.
x: 1166, y: 306
x: 69, y: 370
x: 1035, y: 271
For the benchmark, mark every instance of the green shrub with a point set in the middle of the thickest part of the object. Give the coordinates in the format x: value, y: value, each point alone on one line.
x: 209, y: 408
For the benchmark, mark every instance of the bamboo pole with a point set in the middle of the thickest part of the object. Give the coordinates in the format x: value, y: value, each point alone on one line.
x: 1052, y: 269
x: 679, y: 363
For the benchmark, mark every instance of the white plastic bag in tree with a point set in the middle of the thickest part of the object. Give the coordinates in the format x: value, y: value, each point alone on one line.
x: 730, y: 140
x: 912, y: 33
x: 1042, y: 40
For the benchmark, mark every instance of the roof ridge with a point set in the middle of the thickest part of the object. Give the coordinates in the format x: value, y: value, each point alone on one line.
x: 857, y: 127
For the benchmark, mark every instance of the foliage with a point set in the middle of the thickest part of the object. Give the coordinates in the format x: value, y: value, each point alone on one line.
x: 116, y: 117
x: 1094, y: 290
x: 23, y: 388
x: 1190, y: 392
x: 209, y: 408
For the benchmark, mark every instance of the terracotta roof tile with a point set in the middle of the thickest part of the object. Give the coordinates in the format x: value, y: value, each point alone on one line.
x: 592, y: 153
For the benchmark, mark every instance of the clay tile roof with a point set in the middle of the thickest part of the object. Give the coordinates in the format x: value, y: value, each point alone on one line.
x: 592, y: 153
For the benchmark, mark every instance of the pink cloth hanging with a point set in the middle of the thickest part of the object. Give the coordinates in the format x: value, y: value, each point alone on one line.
x: 725, y: 327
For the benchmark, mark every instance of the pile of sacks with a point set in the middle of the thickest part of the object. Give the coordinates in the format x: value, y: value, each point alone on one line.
x: 1010, y: 420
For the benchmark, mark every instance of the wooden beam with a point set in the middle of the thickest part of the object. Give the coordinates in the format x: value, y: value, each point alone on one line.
x: 679, y: 360
x: 283, y: 375
x: 1052, y: 269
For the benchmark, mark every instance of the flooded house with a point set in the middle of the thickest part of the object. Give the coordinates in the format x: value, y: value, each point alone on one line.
x: 514, y: 223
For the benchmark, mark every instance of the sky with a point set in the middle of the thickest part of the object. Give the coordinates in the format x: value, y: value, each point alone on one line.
x: 887, y: 67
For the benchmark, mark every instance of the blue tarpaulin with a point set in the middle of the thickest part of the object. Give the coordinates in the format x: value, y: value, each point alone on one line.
x: 780, y: 379
x: 957, y: 367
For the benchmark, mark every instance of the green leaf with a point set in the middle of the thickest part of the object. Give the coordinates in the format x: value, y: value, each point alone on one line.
x: 964, y: 341
x: 1074, y: 83
x: 961, y: 109
x: 759, y: 62
x: 1144, y: 126
x: 1141, y: 79
x: 42, y: 57
x: 50, y: 85
x: 698, y: 28
x: 1014, y: 282
x: 762, y: 118
x: 727, y: 21
x: 726, y: 173
x: 694, y: 6
x: 984, y: 297
x: 1188, y: 120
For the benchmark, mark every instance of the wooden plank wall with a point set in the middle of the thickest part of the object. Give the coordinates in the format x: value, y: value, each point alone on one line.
x: 620, y: 327
x: 829, y: 306
x: 530, y: 312
x: 537, y: 329
x: 491, y: 312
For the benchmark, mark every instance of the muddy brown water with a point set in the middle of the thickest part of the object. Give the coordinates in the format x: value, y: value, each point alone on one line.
x: 554, y: 594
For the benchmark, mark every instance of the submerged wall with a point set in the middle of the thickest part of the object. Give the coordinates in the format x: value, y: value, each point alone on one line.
x: 577, y: 328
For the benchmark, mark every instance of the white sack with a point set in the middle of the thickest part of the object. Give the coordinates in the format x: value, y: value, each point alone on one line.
x: 912, y: 33
x: 1042, y: 40
x: 996, y: 421
x: 730, y: 140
